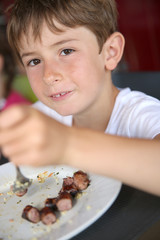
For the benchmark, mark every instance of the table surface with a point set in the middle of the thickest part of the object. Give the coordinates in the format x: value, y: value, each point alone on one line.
x: 130, y: 217
x: 135, y: 215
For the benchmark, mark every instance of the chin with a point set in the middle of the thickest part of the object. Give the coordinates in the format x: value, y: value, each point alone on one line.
x: 66, y: 112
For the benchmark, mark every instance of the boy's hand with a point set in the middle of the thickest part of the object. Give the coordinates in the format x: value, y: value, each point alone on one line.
x: 29, y: 137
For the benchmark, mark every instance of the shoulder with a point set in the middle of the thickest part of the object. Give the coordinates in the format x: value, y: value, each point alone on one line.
x: 135, y: 114
x: 135, y: 101
x: 130, y: 97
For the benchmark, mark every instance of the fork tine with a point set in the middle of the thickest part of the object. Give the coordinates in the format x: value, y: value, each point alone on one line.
x: 21, y: 183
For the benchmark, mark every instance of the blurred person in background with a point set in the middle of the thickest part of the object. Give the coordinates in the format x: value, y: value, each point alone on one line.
x: 8, y: 72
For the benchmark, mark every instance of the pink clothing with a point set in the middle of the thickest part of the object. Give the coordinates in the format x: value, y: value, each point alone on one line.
x: 15, y: 98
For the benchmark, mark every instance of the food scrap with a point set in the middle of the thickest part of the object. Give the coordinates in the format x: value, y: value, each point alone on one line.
x: 11, y: 220
x: 42, y: 176
x: 18, y: 193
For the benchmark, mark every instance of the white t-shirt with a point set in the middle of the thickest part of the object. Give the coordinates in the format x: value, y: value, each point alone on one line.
x: 135, y: 114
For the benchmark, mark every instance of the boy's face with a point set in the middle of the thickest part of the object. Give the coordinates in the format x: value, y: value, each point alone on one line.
x: 65, y: 70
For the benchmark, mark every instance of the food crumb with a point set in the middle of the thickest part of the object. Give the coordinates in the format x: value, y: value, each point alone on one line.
x: 11, y: 220
x: 9, y: 237
x: 48, y: 228
x: 50, y: 174
x: 10, y: 193
x: 42, y: 176
x: 79, y: 195
x: 88, y: 207
x: 58, y: 221
x: 63, y: 213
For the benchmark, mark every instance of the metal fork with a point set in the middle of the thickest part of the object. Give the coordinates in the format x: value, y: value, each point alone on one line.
x: 21, y: 183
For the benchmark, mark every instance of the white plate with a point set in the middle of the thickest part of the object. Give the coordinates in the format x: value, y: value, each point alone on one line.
x: 94, y: 201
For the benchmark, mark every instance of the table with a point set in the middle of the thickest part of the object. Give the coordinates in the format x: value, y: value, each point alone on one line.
x: 135, y: 215
x: 131, y: 217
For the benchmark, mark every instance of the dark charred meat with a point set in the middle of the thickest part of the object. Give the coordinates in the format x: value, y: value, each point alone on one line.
x: 48, y: 216
x: 68, y: 181
x: 81, y: 180
x: 51, y: 203
x: 70, y: 189
x: 69, y: 186
x: 31, y: 213
x: 64, y: 201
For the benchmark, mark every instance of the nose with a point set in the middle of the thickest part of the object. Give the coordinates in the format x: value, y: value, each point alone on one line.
x: 52, y: 74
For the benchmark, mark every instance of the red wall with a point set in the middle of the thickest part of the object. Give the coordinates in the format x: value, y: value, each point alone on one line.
x: 139, y: 21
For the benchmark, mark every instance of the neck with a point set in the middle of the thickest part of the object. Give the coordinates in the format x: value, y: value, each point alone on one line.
x: 98, y: 117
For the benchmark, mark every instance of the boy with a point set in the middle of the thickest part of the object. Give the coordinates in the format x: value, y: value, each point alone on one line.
x: 68, y: 49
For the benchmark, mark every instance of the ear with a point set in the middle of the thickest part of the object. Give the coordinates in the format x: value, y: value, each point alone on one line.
x: 1, y: 63
x: 113, y: 47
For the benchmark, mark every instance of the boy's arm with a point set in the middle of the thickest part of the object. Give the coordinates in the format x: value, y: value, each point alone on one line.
x: 29, y: 137
x: 135, y: 162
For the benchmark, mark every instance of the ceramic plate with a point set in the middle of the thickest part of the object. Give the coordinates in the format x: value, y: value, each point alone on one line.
x: 88, y: 207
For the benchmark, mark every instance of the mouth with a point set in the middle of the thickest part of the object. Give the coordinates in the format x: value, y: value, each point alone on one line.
x: 60, y: 95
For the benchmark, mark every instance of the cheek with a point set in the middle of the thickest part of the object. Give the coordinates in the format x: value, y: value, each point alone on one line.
x: 90, y: 74
x: 35, y: 82
x: 79, y: 70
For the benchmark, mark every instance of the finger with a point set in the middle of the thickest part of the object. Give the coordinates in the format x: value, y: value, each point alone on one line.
x: 32, y: 158
x: 29, y: 124
x: 9, y: 135
x: 35, y: 151
x: 34, y: 141
x: 30, y: 135
x: 13, y: 116
x: 12, y: 148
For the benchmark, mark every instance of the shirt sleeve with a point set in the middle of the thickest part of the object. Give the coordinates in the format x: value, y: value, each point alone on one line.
x: 145, y: 118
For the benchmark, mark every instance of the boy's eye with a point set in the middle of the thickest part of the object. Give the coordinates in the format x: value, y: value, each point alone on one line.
x: 67, y: 52
x: 34, y: 62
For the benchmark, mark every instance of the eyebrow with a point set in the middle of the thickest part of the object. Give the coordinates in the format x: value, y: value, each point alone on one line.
x: 52, y: 45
